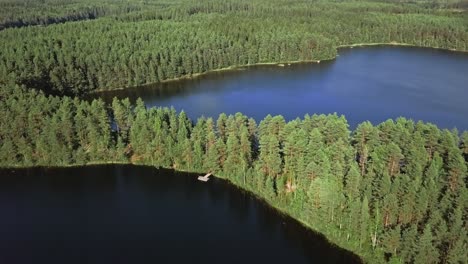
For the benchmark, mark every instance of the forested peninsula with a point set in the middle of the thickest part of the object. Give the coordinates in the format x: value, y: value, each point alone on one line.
x: 393, y: 192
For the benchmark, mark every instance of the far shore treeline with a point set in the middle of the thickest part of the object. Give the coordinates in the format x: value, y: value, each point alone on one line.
x: 139, y: 42
x: 394, y: 192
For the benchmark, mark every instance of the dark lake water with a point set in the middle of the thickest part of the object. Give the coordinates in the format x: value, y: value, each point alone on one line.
x: 135, y: 214
x: 371, y: 83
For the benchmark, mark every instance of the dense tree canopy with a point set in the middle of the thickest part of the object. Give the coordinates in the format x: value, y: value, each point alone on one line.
x: 395, y: 191
x: 133, y: 43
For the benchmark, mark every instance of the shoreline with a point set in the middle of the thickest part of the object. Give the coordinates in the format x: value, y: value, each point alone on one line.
x: 279, y: 209
x: 279, y: 64
x: 397, y: 44
x: 195, y: 75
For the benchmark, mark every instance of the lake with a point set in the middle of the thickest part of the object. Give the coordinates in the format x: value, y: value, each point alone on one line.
x: 137, y: 214
x: 366, y: 83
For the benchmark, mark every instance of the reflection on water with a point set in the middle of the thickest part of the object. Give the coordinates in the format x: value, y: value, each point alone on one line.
x: 372, y: 83
x: 135, y: 214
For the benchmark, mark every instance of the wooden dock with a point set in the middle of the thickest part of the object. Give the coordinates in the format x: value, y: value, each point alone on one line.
x: 204, y: 178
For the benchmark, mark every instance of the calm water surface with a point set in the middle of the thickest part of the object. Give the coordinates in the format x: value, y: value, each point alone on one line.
x: 132, y: 214
x: 372, y: 83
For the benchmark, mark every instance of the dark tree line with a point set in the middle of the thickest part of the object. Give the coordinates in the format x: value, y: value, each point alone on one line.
x: 392, y: 192
x: 455, y: 4
x: 156, y: 41
x: 22, y: 13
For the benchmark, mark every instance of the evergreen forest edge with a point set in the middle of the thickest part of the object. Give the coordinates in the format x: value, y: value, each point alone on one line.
x: 135, y: 43
x: 394, y: 192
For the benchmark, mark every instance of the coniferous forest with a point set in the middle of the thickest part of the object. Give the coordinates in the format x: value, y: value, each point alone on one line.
x: 133, y: 43
x: 393, y: 192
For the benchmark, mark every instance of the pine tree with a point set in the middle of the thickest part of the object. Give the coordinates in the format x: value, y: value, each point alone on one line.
x: 233, y: 157
x: 269, y: 158
x: 364, y: 222
x: 457, y: 251
x: 123, y: 117
x: 456, y: 170
x: 211, y: 160
x: 391, y: 240
x: 353, y: 179
x: 464, y: 144
x: 409, y: 244
x: 365, y: 137
x: 426, y: 252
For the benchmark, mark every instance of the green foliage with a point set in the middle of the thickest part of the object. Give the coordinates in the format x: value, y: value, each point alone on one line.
x: 297, y: 165
x: 427, y: 253
x: 397, y: 188
x: 129, y: 43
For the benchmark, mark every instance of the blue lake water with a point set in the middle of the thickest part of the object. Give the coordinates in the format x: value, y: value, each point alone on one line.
x: 367, y: 83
